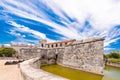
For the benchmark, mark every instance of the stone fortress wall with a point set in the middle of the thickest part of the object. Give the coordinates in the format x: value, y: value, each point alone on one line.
x: 117, y: 64
x: 86, y: 55
x: 17, y: 47
x: 30, y: 70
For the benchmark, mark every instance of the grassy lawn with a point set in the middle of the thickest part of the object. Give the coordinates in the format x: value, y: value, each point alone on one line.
x: 114, y: 60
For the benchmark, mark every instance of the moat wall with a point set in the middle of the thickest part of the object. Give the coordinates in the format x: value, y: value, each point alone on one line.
x: 86, y: 55
x: 117, y: 64
x: 30, y: 70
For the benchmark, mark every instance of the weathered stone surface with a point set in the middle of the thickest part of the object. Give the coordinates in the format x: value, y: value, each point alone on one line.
x: 30, y: 71
x: 84, y: 55
x: 117, y: 64
x: 87, y: 57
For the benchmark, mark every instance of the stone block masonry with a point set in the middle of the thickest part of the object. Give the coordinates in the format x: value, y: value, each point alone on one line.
x: 86, y: 55
x: 114, y: 64
x: 30, y: 70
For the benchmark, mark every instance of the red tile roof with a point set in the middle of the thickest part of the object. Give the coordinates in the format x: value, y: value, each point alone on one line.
x: 61, y: 41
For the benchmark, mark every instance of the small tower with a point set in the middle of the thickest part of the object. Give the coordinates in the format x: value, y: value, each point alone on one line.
x: 42, y: 42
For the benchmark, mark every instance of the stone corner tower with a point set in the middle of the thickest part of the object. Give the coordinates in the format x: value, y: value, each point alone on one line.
x: 42, y: 43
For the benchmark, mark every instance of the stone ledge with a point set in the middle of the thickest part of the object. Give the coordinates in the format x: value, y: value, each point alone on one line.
x: 89, y: 40
x: 117, y: 64
x: 29, y: 71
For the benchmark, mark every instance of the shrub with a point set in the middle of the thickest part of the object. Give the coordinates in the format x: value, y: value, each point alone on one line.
x: 1, y: 52
x: 7, y: 52
x: 114, y: 54
x: 114, y: 60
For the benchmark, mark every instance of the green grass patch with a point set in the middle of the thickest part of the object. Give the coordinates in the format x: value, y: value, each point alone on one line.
x: 114, y: 60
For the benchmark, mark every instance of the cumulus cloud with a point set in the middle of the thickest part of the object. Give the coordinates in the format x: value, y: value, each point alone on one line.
x: 73, y: 19
x: 13, y: 32
x: 21, y: 40
x: 102, y: 13
x: 22, y: 28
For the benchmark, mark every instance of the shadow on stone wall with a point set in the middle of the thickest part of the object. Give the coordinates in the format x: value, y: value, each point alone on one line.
x: 86, y: 55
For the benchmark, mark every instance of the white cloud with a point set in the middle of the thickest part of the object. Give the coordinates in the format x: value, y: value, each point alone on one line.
x: 23, y: 36
x: 22, y: 28
x: 103, y: 13
x: 21, y: 40
x: 13, y: 32
x: 57, y: 28
x: 103, y: 16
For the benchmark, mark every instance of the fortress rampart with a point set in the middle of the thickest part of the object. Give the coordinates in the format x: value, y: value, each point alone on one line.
x: 30, y: 70
x: 86, y: 55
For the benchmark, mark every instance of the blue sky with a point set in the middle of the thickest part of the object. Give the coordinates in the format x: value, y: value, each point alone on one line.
x: 28, y: 21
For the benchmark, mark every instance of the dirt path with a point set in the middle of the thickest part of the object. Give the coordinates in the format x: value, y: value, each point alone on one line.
x: 9, y: 72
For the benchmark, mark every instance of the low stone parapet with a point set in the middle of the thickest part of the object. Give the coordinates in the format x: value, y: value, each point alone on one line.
x: 117, y: 64
x: 86, y: 55
x: 30, y: 70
